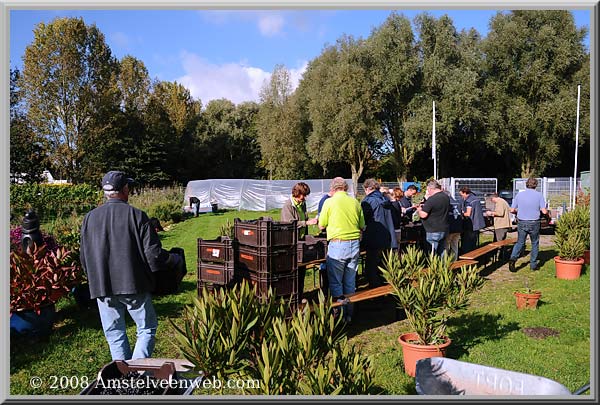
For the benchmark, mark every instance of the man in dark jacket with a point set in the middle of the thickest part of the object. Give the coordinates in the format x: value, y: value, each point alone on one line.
x: 379, y: 235
x: 474, y: 220
x: 119, y: 251
x: 406, y: 201
x: 455, y: 226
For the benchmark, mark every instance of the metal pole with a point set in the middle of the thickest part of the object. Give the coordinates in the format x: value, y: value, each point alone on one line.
x: 433, y: 155
x: 576, y: 148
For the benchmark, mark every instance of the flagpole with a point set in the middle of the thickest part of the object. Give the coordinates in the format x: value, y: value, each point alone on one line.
x: 576, y: 148
x: 433, y: 154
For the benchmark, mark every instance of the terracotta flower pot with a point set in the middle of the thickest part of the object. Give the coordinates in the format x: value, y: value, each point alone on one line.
x: 586, y: 257
x: 527, y: 300
x: 413, y: 352
x: 568, y: 269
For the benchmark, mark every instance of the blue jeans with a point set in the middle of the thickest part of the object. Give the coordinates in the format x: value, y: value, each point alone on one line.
x: 112, y: 314
x: 437, y: 241
x: 524, y: 228
x: 342, y: 265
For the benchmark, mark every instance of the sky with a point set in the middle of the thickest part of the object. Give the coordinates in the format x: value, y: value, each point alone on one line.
x: 229, y: 53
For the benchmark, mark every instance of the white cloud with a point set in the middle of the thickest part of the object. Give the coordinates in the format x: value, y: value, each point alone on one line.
x: 270, y: 25
x: 296, y: 74
x: 236, y: 82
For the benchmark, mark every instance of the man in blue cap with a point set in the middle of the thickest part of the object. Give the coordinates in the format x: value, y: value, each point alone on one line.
x: 119, y: 251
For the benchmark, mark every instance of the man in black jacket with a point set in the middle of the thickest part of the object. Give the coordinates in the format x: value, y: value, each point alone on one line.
x: 119, y: 251
x: 379, y: 236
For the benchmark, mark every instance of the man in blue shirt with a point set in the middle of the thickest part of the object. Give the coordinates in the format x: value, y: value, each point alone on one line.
x: 527, y: 205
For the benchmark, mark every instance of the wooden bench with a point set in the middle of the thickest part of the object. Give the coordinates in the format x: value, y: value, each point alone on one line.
x: 386, y: 289
x: 479, y: 252
x: 366, y: 294
x: 504, y: 242
x: 462, y: 263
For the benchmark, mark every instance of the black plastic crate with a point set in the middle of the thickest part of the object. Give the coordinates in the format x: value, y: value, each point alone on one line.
x: 264, y: 232
x: 216, y: 273
x: 310, y: 249
x: 212, y: 287
x: 282, y: 285
x: 412, y: 232
x: 280, y: 259
x: 218, y: 250
x: 168, y: 281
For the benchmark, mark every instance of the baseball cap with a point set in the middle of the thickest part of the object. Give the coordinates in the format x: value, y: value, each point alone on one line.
x: 115, y: 181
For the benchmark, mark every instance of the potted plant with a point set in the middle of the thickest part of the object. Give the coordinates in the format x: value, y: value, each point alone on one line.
x: 582, y: 208
x: 570, y: 256
x: 37, y: 277
x: 527, y: 297
x: 428, y: 290
x: 571, y: 232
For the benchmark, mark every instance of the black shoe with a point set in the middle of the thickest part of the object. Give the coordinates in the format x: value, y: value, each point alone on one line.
x: 511, y: 266
x: 536, y: 267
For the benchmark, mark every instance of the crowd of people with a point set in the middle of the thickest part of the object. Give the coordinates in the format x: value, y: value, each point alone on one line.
x: 374, y: 224
x: 451, y: 227
x: 120, y: 247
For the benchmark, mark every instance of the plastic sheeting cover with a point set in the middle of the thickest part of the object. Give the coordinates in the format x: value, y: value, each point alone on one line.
x: 253, y: 195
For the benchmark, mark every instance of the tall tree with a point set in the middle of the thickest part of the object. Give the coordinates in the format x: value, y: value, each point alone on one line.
x: 532, y: 62
x: 282, y: 143
x: 178, y: 114
x: 449, y: 76
x: 342, y: 106
x: 170, y: 119
x: 27, y: 156
x: 226, y: 139
x: 395, y: 75
x: 67, y: 71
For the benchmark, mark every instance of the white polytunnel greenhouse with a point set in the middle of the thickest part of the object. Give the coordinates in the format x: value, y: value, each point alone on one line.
x: 252, y: 195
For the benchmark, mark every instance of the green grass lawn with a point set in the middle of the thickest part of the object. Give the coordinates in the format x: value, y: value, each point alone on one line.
x: 490, y: 332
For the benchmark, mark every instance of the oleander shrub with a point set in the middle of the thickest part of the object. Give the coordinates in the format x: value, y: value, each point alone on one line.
x: 576, y: 221
x: 233, y: 334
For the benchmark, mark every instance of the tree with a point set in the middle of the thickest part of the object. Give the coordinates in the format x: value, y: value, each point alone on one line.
x: 27, y: 156
x: 226, y: 139
x: 449, y: 75
x: 163, y: 152
x: 282, y: 143
x: 134, y: 84
x: 532, y: 60
x: 395, y: 75
x: 67, y: 71
x: 343, y: 106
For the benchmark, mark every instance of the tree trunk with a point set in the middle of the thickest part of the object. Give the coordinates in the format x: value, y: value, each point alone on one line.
x: 356, y: 173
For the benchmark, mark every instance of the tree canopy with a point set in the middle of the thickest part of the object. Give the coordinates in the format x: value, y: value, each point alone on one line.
x: 363, y: 107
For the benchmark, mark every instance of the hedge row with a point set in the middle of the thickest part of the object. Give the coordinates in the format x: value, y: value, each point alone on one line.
x: 52, y: 200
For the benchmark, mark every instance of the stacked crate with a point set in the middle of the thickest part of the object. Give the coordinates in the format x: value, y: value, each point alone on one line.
x: 267, y: 256
x: 216, y: 262
x: 311, y: 248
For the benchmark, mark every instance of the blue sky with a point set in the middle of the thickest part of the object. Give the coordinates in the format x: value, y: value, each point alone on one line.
x: 230, y: 53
